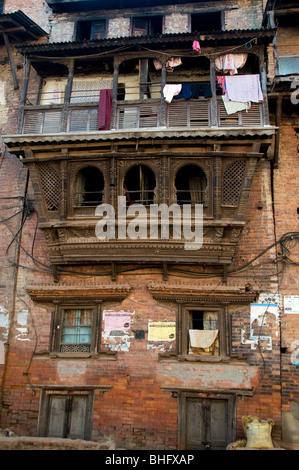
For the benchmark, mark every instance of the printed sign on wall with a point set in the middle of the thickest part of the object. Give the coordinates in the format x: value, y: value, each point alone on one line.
x: 161, y: 331
x: 291, y: 304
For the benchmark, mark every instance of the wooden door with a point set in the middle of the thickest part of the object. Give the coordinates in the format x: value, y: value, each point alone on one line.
x: 206, y: 423
x: 69, y: 416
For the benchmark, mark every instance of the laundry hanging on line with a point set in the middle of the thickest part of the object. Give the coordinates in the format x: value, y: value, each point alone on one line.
x: 230, y: 63
x: 169, y: 91
x: 196, y: 46
x: 170, y: 64
x: 187, y: 91
x: 241, y: 88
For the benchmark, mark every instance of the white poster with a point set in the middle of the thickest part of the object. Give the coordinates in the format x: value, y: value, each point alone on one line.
x: 291, y: 304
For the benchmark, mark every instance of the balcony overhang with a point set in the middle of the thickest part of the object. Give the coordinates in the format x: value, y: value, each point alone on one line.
x: 19, y: 28
x: 16, y: 143
x: 60, y: 6
x: 167, y: 41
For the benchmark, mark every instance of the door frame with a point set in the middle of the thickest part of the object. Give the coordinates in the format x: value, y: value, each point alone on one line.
x: 43, y: 417
x: 182, y: 410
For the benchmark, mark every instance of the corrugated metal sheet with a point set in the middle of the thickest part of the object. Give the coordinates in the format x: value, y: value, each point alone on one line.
x: 172, y: 40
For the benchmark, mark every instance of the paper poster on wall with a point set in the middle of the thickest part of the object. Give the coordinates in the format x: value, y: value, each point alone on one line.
x: 161, y: 331
x: 263, y: 317
x: 116, y: 323
x: 291, y: 304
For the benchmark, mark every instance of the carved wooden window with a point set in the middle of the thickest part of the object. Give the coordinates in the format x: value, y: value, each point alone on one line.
x: 50, y: 181
x: 75, y: 329
x: 89, y: 187
x: 139, y: 185
x: 191, y: 185
x: 232, y: 182
x: 203, y: 332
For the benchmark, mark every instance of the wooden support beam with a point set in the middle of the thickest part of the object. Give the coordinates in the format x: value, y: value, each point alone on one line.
x: 165, y: 272
x: 114, y: 272
x: 12, y: 65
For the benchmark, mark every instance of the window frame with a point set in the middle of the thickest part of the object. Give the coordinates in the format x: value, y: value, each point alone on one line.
x: 57, y: 328
x: 148, y: 19
x: 223, y: 335
x: 89, y: 23
x: 84, y: 204
x: 219, y: 12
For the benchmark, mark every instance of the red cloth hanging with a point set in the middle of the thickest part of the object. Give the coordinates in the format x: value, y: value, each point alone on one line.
x: 105, y: 110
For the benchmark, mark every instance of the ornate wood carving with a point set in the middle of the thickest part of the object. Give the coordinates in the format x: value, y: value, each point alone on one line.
x: 189, y: 292
x: 75, y: 292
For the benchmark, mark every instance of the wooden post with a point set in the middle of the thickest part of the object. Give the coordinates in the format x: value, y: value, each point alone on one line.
x: 213, y: 102
x: 163, y: 104
x: 23, y: 97
x: 67, y: 96
x: 12, y: 64
x: 114, y: 93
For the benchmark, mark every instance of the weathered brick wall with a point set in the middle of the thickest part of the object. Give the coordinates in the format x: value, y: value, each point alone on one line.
x: 37, y: 10
x: 286, y: 196
x: 248, y: 15
x: 137, y: 412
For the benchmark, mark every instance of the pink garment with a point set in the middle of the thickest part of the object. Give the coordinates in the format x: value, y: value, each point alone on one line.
x: 244, y: 88
x: 173, y: 62
x: 230, y: 63
x: 169, y: 91
x: 196, y: 46
x: 105, y: 110
x: 221, y: 83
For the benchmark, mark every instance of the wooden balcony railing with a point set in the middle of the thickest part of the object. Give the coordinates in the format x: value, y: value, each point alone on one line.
x: 181, y: 114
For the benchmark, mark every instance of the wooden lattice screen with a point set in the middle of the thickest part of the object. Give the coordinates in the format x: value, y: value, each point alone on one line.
x: 51, y: 186
x: 232, y: 182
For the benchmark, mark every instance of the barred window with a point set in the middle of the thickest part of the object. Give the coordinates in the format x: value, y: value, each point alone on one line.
x: 76, y: 333
x: 76, y: 329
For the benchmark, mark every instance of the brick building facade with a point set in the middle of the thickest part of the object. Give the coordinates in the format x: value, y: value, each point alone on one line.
x: 138, y: 340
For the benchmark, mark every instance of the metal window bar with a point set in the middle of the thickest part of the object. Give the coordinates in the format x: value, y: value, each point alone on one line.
x: 85, y: 203
x: 76, y: 331
x: 34, y: 99
x: 197, y: 197
x: 144, y: 200
x: 139, y: 91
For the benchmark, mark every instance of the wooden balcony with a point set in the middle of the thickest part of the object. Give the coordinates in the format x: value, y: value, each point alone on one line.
x: 148, y: 114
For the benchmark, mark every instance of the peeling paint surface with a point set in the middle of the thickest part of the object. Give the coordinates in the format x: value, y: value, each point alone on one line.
x: 68, y: 369
x: 210, y: 376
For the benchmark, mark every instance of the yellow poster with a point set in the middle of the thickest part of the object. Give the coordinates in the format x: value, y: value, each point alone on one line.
x: 161, y: 331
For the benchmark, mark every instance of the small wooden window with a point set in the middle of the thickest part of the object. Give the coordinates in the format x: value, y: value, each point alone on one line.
x: 143, y: 26
x: 76, y: 334
x: 75, y: 329
x: 206, y: 21
x: 91, y: 30
x: 89, y: 187
x: 191, y: 185
x: 204, y: 332
x: 139, y: 185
